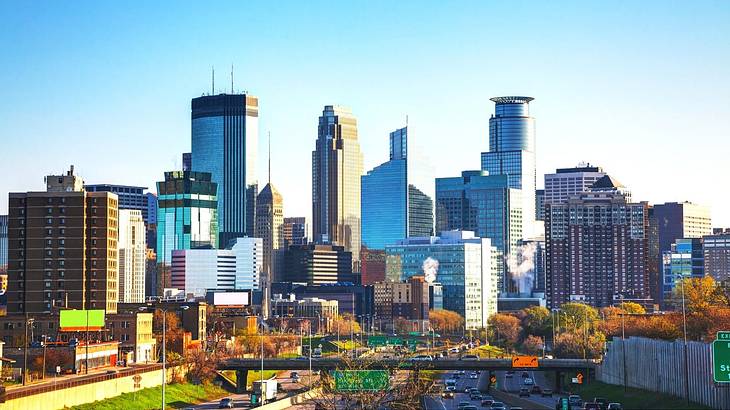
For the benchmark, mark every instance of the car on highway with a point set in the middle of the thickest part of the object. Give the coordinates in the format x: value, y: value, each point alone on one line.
x: 525, y: 375
x: 524, y: 392
x: 487, y: 403
x: 592, y: 406
x: 448, y: 394
x: 528, y: 382
x: 547, y: 393
x: 422, y: 358
x: 469, y: 407
x: 475, y: 395
x: 454, y: 350
x: 614, y: 406
x: 463, y: 404
x: 509, y: 374
x: 450, y: 388
x: 536, y: 389
x: 498, y: 405
x: 226, y: 403
x: 469, y: 357
x: 474, y: 375
x: 575, y: 400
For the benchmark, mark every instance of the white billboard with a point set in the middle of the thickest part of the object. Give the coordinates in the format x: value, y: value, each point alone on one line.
x: 231, y: 298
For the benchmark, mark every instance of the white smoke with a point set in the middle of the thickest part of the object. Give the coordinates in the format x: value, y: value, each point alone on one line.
x: 430, y: 269
x: 522, y: 267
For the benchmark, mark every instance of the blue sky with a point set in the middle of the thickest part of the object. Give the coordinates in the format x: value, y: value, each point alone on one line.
x: 640, y: 88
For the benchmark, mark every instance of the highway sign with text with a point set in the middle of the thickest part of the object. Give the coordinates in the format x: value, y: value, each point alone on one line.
x: 721, y: 358
x: 524, y: 361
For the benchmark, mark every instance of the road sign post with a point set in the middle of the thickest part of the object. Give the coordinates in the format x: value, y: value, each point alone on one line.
x: 721, y: 358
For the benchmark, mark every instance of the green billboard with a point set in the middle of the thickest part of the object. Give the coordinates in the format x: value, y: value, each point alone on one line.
x: 361, y: 380
x: 79, y: 320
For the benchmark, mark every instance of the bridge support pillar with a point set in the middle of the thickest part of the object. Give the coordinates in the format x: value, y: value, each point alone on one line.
x: 241, y: 378
x: 558, y: 381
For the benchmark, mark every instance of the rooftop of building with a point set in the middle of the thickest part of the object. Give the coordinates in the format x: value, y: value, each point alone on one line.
x: 512, y: 99
x: 607, y: 182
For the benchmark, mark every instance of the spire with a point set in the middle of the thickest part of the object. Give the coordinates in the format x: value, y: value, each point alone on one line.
x: 269, y: 157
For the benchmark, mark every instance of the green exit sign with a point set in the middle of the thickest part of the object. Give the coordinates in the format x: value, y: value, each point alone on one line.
x: 721, y: 358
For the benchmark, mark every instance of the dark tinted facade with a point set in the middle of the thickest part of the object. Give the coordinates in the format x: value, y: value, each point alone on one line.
x: 224, y: 141
x: 318, y: 264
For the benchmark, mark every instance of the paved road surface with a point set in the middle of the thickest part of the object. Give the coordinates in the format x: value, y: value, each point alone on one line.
x: 244, y: 400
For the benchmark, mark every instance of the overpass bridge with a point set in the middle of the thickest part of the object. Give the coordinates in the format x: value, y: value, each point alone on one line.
x: 242, y: 366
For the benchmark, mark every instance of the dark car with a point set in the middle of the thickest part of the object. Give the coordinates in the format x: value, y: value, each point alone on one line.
x: 226, y: 403
x: 614, y: 406
x: 525, y: 375
x: 536, y: 389
x: 547, y: 393
x: 591, y: 406
x: 487, y: 403
x: 524, y: 392
x: 475, y: 395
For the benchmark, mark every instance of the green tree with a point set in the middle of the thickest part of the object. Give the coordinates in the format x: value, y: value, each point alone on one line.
x: 536, y: 321
x: 575, y: 316
x: 632, y: 308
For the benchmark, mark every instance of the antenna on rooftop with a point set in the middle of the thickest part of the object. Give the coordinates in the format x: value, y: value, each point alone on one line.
x: 231, y: 78
x: 212, y: 85
x: 269, y: 157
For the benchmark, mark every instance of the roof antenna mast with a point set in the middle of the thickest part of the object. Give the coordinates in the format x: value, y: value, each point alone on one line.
x: 231, y: 78
x: 212, y: 84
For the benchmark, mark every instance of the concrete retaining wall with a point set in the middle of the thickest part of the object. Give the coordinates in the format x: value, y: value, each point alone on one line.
x: 87, y: 393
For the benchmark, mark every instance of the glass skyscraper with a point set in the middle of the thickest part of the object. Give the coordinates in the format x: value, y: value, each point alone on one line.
x: 512, y: 152
x: 187, y: 216
x: 224, y: 143
x: 484, y: 204
x: 686, y: 259
x: 391, y: 208
x: 336, y: 172
x: 467, y: 271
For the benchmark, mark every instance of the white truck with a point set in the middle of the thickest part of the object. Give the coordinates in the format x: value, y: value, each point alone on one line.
x: 267, y: 393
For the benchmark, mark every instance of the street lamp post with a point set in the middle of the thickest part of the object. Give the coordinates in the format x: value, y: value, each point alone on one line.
x: 164, y: 356
x: 43, y: 373
x: 28, y: 322
x: 686, y: 358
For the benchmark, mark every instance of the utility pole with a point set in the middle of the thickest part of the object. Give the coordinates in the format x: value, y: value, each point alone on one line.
x: 686, y: 358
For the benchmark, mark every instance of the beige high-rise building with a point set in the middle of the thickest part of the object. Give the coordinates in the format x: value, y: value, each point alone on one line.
x: 270, y: 228
x: 132, y: 257
x: 336, y: 171
x: 62, y: 249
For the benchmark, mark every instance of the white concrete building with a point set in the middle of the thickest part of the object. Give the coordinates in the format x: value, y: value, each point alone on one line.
x: 132, y: 245
x: 249, y: 262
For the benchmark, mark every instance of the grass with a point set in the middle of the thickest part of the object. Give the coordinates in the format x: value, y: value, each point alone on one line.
x: 177, y: 395
x: 631, y: 398
x: 252, y: 375
x: 489, y: 351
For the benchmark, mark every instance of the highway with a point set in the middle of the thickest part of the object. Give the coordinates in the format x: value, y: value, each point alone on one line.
x: 244, y: 400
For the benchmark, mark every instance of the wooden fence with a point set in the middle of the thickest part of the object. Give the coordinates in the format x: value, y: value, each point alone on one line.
x: 658, y: 365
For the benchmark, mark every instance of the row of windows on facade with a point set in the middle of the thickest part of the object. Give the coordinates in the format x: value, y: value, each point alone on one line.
x: 110, y: 263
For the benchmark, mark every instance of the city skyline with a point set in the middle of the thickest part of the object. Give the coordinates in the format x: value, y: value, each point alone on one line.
x: 631, y: 86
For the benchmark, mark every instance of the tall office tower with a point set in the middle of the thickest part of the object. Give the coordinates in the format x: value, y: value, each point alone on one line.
x: 62, y: 248
x: 198, y: 270
x: 671, y: 221
x: 392, y: 209
x: 486, y: 205
x: 270, y: 228
x: 249, y: 254
x: 130, y: 197
x: 132, y: 246
x: 468, y: 270
x: 420, y: 213
x: 596, y: 248
x: 187, y: 161
x: 318, y: 264
x: 187, y: 216
x: 295, y: 231
x: 716, y: 250
x: 512, y: 152
x: 151, y: 222
x: 336, y: 171
x: 224, y: 143
x: 3, y: 243
x: 150, y: 275
x: 567, y: 182
x: 684, y: 260
x: 540, y: 204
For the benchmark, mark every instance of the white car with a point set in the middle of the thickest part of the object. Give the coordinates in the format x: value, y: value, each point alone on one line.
x: 421, y: 358
x: 474, y: 375
x: 528, y: 382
